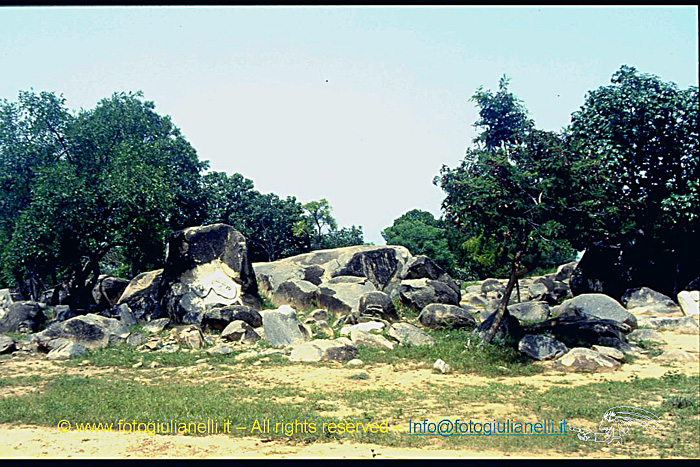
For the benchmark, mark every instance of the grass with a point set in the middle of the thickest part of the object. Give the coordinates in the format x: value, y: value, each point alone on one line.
x: 461, y: 352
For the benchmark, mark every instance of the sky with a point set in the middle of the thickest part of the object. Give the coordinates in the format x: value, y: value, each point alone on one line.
x: 358, y: 105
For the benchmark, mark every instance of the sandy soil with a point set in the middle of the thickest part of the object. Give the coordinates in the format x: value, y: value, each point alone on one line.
x: 46, y: 442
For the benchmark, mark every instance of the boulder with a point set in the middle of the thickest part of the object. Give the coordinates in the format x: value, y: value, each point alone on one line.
x: 5, y: 301
x: 135, y: 339
x: 240, y: 331
x: 325, y: 330
x: 576, y: 329
x: 141, y: 295
x: 66, y: 350
x: 372, y: 326
x: 220, y: 349
x: 417, y: 293
x: 63, y: 312
x: 510, y: 331
x: 125, y: 315
x: 23, y: 316
x: 441, y: 367
x: 541, y: 347
x: 282, y: 328
x: 672, y: 356
x: 597, y: 306
x: 368, y: 339
x: 220, y: 317
x: 684, y: 325
x: 610, y: 352
x: 646, y: 297
x: 92, y: 331
x: 474, y: 299
x: 379, y: 305
x: 493, y: 289
x: 7, y: 345
x: 565, y: 270
x: 581, y: 359
x: 189, y: 336
x: 320, y: 315
x: 299, y: 294
x: 689, y: 301
x: 341, y: 295
x: 381, y: 265
x: 408, y: 334
x: 108, y: 291
x: 157, y: 325
x: 646, y: 335
x: 530, y: 311
x: 206, y: 267
x: 440, y: 316
x: 422, y: 267
x: 324, y: 350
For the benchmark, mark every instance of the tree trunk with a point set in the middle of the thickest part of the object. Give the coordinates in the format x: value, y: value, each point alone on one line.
x: 502, y: 311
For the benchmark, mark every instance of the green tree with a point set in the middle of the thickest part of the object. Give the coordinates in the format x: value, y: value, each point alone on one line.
x: 637, y: 174
x: 508, y: 190
x: 317, y: 217
x: 78, y: 186
x: 343, y: 237
x: 422, y: 234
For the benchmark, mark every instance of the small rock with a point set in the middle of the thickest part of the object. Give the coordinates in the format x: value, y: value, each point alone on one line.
x: 671, y: 356
x: 355, y: 362
x: 221, y: 349
x: 201, y: 360
x: 371, y: 326
x: 137, y: 365
x: 441, y: 367
x: 587, y: 360
x: 157, y: 325
x: 153, y: 365
x: 611, y: 352
x: 319, y: 315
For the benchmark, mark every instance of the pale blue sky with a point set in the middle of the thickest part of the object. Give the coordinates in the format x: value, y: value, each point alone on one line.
x: 247, y: 86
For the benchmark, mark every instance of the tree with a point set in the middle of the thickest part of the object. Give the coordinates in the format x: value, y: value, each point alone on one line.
x: 638, y: 170
x: 508, y: 189
x: 340, y: 238
x: 317, y: 216
x: 79, y: 186
x: 422, y: 234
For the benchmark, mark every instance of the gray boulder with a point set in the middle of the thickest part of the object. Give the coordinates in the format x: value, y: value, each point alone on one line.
x: 63, y: 312
x: 206, y: 267
x: 418, y: 293
x: 576, y: 329
x: 23, y: 316
x: 541, y: 347
x: 646, y: 335
x: 683, y: 325
x: 530, y: 311
x: 581, y: 359
x: 240, y: 331
x: 378, y: 305
x: 282, y: 328
x: 509, y: 332
x: 189, y: 336
x: 125, y: 315
x: 474, y: 299
x: 598, y: 306
x: 7, y: 344
x: 368, y: 339
x: 141, y: 295
x: 565, y: 270
x: 422, y: 267
x: 135, y: 339
x: 324, y: 350
x: 493, y: 289
x: 643, y: 300
x: 66, y: 350
x: 220, y: 317
x: 108, y: 291
x: 440, y: 316
x: 408, y: 334
x: 157, y: 325
x: 92, y: 331
x: 381, y: 265
x: 299, y: 294
x: 341, y: 295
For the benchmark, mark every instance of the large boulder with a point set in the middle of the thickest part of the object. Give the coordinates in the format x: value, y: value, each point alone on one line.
x: 541, y: 347
x: 581, y: 359
x: 206, y: 267
x: 441, y: 316
x: 509, y: 332
x: 683, y: 325
x: 92, y: 331
x: 23, y: 316
x: 324, y: 350
x: 530, y: 311
x: 597, y: 306
x: 689, y: 301
x: 341, y: 295
x: 378, y: 305
x: 108, y: 291
x: 64, y: 349
x: 141, y: 295
x: 576, y: 329
x: 220, y: 317
x: 409, y: 335
x: 645, y: 300
x: 282, y: 328
x: 417, y: 293
x: 422, y: 267
x: 297, y: 293
x: 381, y: 265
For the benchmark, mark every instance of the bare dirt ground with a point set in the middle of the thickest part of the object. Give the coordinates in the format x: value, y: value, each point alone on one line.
x: 21, y: 441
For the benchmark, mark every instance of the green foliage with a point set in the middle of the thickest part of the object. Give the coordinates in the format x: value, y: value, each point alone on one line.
x: 317, y: 218
x: 637, y: 173
x: 422, y: 234
x: 77, y: 186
